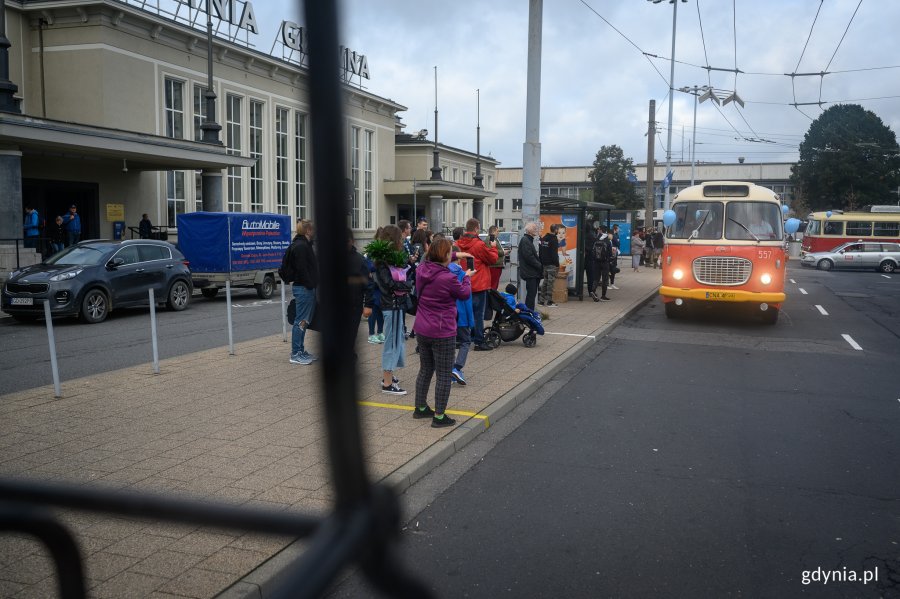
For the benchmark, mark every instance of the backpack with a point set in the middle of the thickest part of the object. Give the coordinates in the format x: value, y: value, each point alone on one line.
x: 601, y: 252
x: 286, y: 271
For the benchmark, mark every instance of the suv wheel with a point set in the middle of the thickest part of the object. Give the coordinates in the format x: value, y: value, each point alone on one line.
x: 94, y: 307
x: 887, y: 267
x: 179, y: 296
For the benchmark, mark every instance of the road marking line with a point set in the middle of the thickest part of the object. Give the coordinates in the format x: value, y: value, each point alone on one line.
x: 594, y: 337
x: 793, y: 281
x: 822, y: 310
x: 392, y: 406
x: 885, y: 276
x: 802, y: 290
x: 850, y: 340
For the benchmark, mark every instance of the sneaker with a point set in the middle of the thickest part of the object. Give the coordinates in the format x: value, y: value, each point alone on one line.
x: 614, y: 287
x: 395, y: 380
x: 603, y: 298
x: 309, y: 356
x: 393, y: 390
x: 594, y: 296
x: 373, y: 339
x: 482, y: 347
x: 458, y: 376
x: 552, y: 304
x: 380, y: 337
x: 301, y: 359
x: 426, y: 413
x: 442, y: 422
x: 541, y: 304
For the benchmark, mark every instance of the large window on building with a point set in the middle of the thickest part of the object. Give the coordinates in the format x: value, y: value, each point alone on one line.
x: 282, y: 173
x: 300, y: 178
x: 498, y: 203
x: 174, y: 108
x: 199, y: 111
x: 175, y: 197
x: 233, y: 145
x: 517, y: 204
x: 498, y: 222
x: 516, y: 224
x: 361, y: 173
x: 256, y: 151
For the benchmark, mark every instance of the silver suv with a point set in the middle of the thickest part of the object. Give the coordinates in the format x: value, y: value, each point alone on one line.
x: 883, y: 257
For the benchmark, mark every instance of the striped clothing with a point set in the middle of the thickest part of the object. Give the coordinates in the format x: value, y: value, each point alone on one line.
x: 436, y: 357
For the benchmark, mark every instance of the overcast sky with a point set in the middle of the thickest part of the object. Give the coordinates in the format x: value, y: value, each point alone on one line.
x: 596, y: 84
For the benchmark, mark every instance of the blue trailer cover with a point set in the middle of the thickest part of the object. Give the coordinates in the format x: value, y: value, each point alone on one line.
x: 233, y: 241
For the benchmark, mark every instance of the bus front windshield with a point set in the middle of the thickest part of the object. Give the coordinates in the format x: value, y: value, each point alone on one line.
x: 697, y: 220
x: 753, y: 221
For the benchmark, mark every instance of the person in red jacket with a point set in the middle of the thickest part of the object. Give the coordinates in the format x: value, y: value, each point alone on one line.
x: 485, y: 254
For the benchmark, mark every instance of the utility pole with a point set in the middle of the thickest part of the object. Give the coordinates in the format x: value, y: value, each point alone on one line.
x: 651, y: 139
x: 531, y: 159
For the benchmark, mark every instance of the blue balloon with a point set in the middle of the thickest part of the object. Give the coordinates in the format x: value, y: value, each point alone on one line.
x: 791, y: 225
x: 785, y: 209
x: 668, y: 217
x: 828, y: 214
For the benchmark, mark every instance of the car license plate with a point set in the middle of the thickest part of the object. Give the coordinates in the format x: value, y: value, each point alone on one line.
x: 21, y: 301
x: 720, y: 295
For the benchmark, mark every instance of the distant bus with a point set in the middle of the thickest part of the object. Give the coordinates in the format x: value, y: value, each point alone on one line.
x: 726, y: 246
x: 823, y: 232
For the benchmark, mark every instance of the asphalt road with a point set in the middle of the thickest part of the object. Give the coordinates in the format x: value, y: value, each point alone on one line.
x: 124, y: 338
x: 692, y: 458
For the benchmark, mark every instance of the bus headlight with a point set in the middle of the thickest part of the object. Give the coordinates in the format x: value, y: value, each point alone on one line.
x: 766, y: 278
x: 677, y: 274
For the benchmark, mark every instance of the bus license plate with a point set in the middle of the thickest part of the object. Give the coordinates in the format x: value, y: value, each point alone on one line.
x: 720, y: 295
x: 22, y: 301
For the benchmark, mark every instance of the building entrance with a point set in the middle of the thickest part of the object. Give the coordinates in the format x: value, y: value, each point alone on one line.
x: 405, y: 212
x: 53, y: 198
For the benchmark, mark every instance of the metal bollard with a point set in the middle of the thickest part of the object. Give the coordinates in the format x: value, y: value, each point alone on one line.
x: 283, y: 315
x: 52, y: 340
x: 153, y: 332
x: 230, y: 331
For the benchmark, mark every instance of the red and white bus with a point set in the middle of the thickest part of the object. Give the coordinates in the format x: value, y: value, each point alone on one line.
x: 824, y: 232
x: 726, y: 246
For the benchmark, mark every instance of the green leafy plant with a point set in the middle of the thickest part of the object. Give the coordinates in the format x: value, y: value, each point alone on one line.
x: 382, y: 250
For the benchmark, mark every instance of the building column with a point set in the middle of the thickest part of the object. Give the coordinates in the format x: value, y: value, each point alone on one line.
x: 211, y: 188
x: 436, y: 210
x: 478, y: 211
x: 11, y: 215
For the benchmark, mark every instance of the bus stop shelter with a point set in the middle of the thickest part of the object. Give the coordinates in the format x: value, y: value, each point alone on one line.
x: 575, y: 215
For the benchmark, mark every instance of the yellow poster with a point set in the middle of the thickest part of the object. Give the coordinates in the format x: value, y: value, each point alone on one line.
x: 115, y: 212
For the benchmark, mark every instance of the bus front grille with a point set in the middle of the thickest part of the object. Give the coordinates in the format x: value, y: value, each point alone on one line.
x: 715, y: 270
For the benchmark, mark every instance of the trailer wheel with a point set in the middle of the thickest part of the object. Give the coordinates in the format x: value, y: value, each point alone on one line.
x: 209, y: 292
x: 265, y: 289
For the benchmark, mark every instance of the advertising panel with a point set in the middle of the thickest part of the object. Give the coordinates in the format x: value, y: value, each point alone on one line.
x: 222, y: 242
x: 568, y: 243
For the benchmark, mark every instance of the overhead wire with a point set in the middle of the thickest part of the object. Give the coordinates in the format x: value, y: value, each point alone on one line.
x: 841, y: 41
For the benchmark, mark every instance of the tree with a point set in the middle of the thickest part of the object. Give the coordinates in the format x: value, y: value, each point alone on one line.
x: 610, y: 179
x: 848, y: 158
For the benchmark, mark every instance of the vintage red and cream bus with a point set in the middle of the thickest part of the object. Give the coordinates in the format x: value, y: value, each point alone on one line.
x: 725, y: 246
x: 827, y: 230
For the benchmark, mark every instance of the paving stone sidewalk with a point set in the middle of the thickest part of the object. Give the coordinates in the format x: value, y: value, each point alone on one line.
x: 244, y: 429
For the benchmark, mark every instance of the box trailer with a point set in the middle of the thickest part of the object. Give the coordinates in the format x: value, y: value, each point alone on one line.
x: 241, y: 247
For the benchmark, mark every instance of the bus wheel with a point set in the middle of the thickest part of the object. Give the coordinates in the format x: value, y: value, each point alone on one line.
x: 825, y: 264
x: 887, y: 266
x: 673, y: 311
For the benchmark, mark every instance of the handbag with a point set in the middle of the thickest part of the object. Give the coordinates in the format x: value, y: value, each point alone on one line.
x: 291, y: 315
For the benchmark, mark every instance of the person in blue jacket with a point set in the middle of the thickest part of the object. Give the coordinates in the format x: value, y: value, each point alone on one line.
x: 72, y: 223
x: 31, y: 227
x: 465, y: 320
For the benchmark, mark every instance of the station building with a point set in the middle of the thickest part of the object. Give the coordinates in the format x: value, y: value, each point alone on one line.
x: 109, y: 103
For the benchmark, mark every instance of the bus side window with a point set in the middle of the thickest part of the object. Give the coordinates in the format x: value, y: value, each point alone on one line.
x: 834, y: 228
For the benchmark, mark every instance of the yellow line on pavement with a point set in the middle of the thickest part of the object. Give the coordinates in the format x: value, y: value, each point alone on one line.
x: 392, y: 406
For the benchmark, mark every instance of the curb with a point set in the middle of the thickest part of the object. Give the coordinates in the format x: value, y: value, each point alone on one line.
x: 264, y: 580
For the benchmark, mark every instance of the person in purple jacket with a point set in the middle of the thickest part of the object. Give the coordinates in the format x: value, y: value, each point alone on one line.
x: 437, y: 289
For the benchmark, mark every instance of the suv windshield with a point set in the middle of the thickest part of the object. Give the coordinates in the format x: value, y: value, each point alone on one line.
x: 697, y: 220
x: 84, y: 255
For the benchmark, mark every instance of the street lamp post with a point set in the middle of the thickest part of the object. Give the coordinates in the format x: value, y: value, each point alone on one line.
x: 674, y: 4
x: 701, y: 94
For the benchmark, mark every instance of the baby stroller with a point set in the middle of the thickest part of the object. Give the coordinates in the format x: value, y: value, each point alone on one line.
x: 508, y: 325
